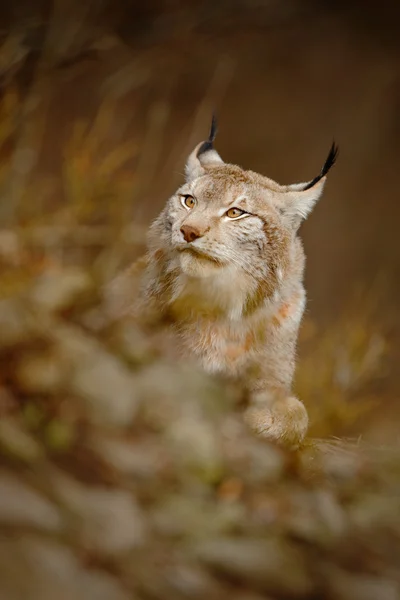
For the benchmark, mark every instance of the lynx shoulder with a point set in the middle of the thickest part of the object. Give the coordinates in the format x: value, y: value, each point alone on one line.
x: 225, y: 266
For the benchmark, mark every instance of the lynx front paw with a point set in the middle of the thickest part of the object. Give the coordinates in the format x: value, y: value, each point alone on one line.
x: 284, y: 422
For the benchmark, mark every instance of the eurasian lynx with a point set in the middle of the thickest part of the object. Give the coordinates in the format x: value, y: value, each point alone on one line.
x: 225, y: 267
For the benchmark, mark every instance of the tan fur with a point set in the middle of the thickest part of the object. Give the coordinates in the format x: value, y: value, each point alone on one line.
x: 233, y: 297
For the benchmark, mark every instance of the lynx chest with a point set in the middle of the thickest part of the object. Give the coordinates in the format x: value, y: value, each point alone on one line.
x: 223, y: 347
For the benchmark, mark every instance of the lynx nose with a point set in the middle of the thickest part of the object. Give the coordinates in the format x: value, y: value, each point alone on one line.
x: 190, y: 233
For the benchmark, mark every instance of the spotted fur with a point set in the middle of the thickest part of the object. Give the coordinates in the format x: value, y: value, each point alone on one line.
x: 234, y: 295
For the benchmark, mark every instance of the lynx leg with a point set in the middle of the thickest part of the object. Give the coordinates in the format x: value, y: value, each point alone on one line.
x: 282, y: 419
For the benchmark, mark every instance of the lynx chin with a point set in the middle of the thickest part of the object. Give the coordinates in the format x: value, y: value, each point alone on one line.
x: 224, y: 268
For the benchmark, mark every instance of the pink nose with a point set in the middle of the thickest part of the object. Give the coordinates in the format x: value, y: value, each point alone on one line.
x: 190, y: 233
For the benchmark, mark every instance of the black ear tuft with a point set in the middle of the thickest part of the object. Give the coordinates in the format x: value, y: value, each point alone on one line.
x: 209, y: 144
x: 330, y: 161
x: 214, y: 128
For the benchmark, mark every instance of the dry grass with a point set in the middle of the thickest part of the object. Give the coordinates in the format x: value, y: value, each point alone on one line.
x: 342, y: 369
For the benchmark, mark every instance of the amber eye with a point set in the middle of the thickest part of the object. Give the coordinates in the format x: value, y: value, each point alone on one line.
x: 234, y: 213
x: 188, y: 201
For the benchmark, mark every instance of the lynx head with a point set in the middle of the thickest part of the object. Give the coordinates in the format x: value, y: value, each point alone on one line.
x: 226, y: 219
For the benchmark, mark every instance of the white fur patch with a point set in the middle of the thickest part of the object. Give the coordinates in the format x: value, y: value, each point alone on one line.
x: 226, y: 290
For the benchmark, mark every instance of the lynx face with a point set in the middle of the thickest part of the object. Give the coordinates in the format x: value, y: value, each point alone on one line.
x: 223, y: 221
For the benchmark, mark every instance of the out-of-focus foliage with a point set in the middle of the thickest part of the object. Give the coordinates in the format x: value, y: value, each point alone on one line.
x: 342, y: 369
x: 126, y: 475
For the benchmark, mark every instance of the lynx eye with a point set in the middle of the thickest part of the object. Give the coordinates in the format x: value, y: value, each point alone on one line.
x: 188, y: 201
x: 234, y: 213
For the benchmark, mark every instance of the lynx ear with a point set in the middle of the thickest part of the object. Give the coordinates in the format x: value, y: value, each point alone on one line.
x: 300, y: 198
x: 203, y: 155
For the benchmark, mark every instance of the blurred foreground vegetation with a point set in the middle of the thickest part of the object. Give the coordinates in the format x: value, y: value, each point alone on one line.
x: 122, y: 474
